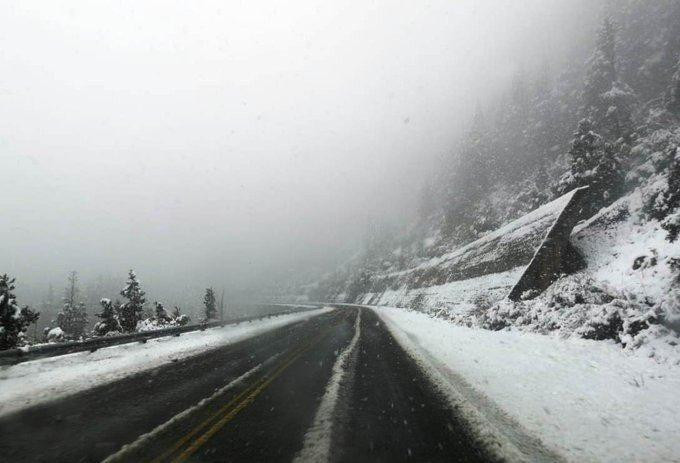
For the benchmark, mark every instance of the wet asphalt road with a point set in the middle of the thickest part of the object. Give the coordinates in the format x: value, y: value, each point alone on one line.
x: 258, y: 399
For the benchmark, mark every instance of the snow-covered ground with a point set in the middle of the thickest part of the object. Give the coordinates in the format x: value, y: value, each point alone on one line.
x: 46, y: 379
x: 612, y: 247
x: 585, y: 400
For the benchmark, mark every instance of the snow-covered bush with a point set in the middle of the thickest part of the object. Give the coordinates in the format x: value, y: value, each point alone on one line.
x: 149, y: 324
x: 55, y: 335
x: 160, y: 314
x: 579, y: 306
x: 159, y: 320
x: 109, y: 319
x: 179, y: 318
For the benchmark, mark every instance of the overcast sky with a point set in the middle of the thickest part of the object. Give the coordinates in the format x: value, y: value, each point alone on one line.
x: 212, y: 142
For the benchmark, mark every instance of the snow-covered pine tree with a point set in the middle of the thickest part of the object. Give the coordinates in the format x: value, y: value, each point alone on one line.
x: 209, y: 305
x: 620, y: 101
x: 671, y: 222
x: 130, y: 312
x: 13, y: 320
x: 72, y: 318
x: 665, y: 206
x: 80, y: 319
x: 109, y: 319
x: 594, y: 163
x: 601, y: 72
x: 608, y: 102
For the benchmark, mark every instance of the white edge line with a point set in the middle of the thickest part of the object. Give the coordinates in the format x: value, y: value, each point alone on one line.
x: 144, y: 438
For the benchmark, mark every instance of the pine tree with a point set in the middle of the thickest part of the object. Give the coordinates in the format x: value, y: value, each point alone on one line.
x: 72, y: 290
x: 109, y: 319
x: 209, y: 304
x: 72, y: 318
x: 620, y: 102
x: 130, y: 313
x: 13, y: 321
x: 601, y: 70
x: 80, y: 320
x: 594, y: 163
x: 668, y: 207
x: 608, y: 101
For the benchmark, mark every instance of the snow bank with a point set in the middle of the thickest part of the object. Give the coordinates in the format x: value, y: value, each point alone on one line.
x: 585, y: 400
x: 30, y: 383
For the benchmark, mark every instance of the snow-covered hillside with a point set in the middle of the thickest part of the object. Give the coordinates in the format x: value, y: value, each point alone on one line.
x: 608, y: 120
x: 629, y: 291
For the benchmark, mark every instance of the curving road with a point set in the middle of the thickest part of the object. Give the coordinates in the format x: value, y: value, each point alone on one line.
x: 336, y: 387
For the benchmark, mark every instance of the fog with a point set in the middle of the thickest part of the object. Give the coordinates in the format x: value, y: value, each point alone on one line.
x: 236, y: 144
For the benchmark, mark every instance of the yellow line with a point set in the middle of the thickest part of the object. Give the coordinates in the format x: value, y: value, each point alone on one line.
x: 248, y: 395
x: 211, y: 418
x: 198, y: 443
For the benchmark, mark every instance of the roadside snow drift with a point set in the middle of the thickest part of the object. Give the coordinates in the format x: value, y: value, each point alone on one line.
x: 585, y: 400
x: 46, y: 379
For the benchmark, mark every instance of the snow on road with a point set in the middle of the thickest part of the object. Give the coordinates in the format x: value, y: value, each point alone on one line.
x: 585, y: 400
x: 46, y: 379
x: 317, y: 442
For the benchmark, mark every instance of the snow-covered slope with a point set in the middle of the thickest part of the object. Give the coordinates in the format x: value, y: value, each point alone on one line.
x: 486, y: 268
x: 628, y: 292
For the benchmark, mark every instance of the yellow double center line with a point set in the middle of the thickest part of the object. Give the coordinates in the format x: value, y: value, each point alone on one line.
x: 227, y: 412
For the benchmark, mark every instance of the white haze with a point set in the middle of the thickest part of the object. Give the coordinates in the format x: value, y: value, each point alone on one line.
x: 229, y: 143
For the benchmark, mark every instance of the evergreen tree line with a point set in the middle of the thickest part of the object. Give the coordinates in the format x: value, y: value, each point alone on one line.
x: 115, y: 317
x: 512, y: 158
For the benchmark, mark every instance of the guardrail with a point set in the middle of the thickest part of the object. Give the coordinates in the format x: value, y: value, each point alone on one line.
x: 14, y: 356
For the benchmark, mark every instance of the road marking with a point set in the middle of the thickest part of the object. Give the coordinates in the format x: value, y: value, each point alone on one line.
x: 126, y: 450
x: 317, y: 443
x: 238, y: 403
